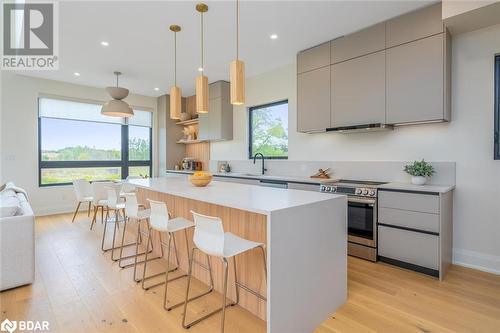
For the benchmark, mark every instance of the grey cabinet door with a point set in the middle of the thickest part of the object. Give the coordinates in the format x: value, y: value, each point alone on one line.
x: 313, y: 100
x: 313, y: 58
x: 415, y: 25
x: 203, y: 127
x: 415, y: 81
x: 215, y: 118
x: 360, y: 43
x: 358, y: 91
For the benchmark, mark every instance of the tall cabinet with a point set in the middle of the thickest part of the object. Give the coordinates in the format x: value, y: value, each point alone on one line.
x: 395, y: 72
x: 217, y: 124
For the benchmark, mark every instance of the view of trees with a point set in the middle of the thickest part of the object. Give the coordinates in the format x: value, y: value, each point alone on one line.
x: 270, y: 131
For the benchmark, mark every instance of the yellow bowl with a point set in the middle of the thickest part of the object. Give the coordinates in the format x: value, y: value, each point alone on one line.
x: 200, y: 180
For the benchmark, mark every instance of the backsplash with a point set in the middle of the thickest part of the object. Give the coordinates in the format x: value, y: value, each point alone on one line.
x: 370, y: 170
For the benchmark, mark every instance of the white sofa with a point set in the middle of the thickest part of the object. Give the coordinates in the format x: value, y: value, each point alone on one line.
x: 17, y: 238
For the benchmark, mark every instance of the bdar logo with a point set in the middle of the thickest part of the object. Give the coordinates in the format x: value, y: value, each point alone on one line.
x: 9, y: 326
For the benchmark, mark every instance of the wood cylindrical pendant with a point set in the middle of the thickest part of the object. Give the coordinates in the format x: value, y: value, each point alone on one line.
x: 237, y: 79
x: 175, y: 102
x: 202, y: 94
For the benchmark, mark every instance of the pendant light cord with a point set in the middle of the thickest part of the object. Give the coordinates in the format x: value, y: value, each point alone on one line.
x: 175, y: 59
x: 202, y: 38
x: 117, y: 80
x: 237, y: 28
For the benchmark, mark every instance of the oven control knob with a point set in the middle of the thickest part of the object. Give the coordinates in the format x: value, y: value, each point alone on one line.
x: 372, y: 193
x: 358, y: 191
x: 365, y: 192
x: 334, y: 189
x: 322, y: 188
x: 327, y: 188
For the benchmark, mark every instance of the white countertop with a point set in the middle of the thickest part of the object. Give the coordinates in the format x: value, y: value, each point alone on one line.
x: 258, y: 199
x: 418, y: 188
x: 295, y: 179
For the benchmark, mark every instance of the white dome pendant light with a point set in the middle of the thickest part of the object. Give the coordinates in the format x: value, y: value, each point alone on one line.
x: 175, y: 92
x: 116, y: 107
x: 237, y: 68
x: 202, y: 80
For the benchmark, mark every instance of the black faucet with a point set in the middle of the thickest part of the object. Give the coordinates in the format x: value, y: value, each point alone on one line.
x: 262, y: 156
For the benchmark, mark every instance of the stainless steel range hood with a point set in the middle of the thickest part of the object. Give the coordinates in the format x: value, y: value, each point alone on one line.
x: 361, y: 128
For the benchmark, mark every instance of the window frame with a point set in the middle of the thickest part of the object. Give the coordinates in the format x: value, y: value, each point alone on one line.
x: 496, y: 133
x: 123, y: 163
x: 250, y: 132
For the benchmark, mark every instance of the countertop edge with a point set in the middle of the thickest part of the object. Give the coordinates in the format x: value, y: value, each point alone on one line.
x: 439, y: 189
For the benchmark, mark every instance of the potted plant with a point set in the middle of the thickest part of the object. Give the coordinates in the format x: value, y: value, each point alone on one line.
x: 419, y: 171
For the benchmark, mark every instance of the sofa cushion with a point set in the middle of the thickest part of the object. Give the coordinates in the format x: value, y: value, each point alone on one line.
x: 10, y: 203
x: 7, y: 211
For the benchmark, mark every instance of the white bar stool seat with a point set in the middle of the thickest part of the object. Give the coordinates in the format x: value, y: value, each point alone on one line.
x: 100, y: 200
x: 210, y: 238
x: 83, y: 192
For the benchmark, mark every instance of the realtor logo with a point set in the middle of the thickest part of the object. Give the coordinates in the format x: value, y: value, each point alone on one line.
x: 30, y: 39
x: 8, y: 326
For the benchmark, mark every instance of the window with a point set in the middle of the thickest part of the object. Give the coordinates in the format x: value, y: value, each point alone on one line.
x: 497, y: 109
x: 268, y: 132
x: 76, y: 141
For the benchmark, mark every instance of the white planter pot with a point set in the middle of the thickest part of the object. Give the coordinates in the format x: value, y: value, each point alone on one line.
x: 418, y: 180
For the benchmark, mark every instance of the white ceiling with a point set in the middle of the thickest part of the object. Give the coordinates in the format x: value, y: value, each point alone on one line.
x: 141, y: 45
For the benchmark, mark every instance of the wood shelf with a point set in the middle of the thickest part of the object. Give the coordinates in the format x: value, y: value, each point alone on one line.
x: 188, y: 122
x: 187, y: 142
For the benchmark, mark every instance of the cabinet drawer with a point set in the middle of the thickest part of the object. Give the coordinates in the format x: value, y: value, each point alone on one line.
x: 360, y: 43
x: 417, y: 202
x: 415, y: 25
x: 313, y: 58
x: 409, y: 219
x: 408, y: 246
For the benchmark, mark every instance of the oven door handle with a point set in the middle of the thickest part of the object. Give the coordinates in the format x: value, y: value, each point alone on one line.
x: 370, y: 202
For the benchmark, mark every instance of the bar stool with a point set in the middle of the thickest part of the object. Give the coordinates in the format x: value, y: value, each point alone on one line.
x: 132, y: 211
x: 161, y: 222
x: 115, y: 204
x: 210, y: 238
x: 83, y: 192
x: 100, y: 200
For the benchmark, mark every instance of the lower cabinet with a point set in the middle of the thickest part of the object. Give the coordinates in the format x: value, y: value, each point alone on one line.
x: 415, y: 230
x: 247, y: 181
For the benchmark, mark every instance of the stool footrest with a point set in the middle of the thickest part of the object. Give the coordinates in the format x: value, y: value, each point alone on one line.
x: 156, y: 275
x: 117, y: 248
x: 251, y: 291
x: 189, y: 300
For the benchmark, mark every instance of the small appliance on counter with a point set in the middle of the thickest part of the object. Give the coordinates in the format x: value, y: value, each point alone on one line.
x: 190, y: 164
x: 223, y: 167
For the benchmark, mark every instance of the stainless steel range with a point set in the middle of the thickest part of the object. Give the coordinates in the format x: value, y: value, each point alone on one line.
x: 361, y: 215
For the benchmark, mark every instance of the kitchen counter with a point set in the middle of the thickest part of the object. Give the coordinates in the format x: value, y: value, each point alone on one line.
x: 289, y: 179
x: 418, y: 188
x: 306, y: 245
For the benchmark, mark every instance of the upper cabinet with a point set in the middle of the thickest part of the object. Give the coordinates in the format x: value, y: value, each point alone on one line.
x: 417, y: 88
x: 395, y: 72
x: 313, y: 58
x: 217, y: 124
x: 313, y: 100
x: 415, y: 25
x: 363, y: 42
x: 358, y: 91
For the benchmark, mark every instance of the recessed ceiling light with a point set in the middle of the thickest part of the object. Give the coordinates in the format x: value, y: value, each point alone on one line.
x: 76, y: 74
x: 104, y: 43
x: 157, y: 89
x: 200, y: 69
x: 273, y: 36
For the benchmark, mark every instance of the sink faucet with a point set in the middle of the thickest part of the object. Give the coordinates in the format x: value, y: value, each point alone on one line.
x: 262, y: 157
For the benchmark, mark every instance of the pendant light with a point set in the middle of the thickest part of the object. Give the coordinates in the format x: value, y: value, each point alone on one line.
x: 202, y: 80
x: 237, y: 68
x: 116, y: 107
x: 175, y: 92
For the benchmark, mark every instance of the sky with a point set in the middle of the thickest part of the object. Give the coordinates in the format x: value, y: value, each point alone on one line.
x: 61, y: 133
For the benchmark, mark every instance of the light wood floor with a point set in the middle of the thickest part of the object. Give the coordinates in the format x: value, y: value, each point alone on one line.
x: 79, y: 289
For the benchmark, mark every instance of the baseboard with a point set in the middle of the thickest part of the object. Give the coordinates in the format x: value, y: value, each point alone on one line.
x: 477, y: 260
x: 41, y: 211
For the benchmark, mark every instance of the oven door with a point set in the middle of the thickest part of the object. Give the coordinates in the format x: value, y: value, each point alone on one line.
x: 361, y: 217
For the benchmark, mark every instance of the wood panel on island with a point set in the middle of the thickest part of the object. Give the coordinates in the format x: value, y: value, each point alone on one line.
x: 396, y: 72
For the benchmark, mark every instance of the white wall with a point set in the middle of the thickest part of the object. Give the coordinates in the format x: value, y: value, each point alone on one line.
x: 467, y: 140
x: 19, y: 135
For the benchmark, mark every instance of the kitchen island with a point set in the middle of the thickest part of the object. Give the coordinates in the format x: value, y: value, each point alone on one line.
x: 306, y: 243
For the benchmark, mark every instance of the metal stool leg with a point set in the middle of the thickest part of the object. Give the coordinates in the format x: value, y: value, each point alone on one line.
x: 76, y: 211
x: 146, y: 260
x: 137, y: 241
x: 113, y: 247
x: 187, y: 300
x: 94, y: 218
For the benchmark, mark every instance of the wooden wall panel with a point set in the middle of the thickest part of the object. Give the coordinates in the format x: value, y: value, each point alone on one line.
x: 200, y: 152
x: 245, y: 224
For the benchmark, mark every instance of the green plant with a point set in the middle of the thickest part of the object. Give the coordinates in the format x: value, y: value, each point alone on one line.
x: 419, y: 169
